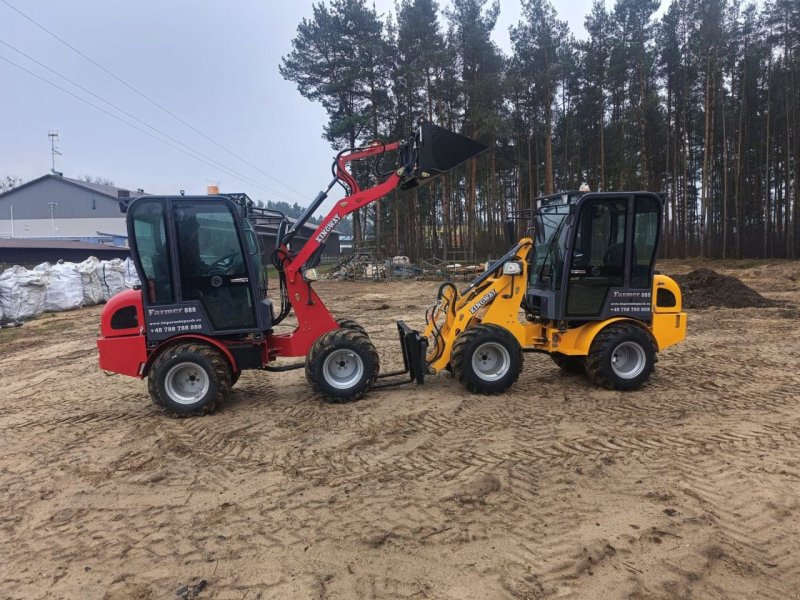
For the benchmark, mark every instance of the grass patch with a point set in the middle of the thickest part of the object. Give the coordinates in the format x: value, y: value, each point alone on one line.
x: 9, y: 335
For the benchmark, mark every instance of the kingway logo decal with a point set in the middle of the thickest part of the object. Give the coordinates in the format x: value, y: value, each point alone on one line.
x: 483, y: 302
x: 328, y: 228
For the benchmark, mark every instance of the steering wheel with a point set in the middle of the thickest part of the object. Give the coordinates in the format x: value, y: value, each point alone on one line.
x: 222, y: 264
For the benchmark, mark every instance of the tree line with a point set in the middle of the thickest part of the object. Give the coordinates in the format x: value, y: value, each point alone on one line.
x: 701, y: 104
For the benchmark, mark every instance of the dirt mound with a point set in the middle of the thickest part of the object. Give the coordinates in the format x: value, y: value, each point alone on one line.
x: 703, y: 288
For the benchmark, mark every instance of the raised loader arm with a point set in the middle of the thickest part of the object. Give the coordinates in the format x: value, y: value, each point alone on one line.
x: 431, y: 151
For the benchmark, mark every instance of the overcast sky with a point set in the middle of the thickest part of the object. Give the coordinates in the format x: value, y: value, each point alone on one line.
x: 214, y: 64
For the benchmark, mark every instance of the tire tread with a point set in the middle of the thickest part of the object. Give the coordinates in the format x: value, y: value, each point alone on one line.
x: 460, y: 360
x: 334, y: 338
x: 603, y: 344
x: 221, y: 373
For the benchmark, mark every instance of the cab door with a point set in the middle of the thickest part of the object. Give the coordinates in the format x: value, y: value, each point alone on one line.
x: 613, y: 256
x: 212, y: 263
x: 598, y: 256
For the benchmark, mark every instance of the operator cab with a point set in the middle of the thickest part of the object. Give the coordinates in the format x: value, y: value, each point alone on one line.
x: 594, y: 256
x: 200, y: 266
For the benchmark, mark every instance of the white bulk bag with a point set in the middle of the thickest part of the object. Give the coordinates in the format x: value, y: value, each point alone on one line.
x: 64, y: 288
x: 90, y: 279
x: 22, y: 293
x: 131, y: 276
x: 112, y: 277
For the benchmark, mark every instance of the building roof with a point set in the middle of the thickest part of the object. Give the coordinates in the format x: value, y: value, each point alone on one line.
x: 55, y: 245
x: 106, y: 190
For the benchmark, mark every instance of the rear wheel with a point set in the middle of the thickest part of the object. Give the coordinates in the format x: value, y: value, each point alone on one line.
x: 342, y: 365
x: 621, y: 357
x: 350, y: 324
x: 487, y: 359
x: 569, y: 364
x: 189, y: 379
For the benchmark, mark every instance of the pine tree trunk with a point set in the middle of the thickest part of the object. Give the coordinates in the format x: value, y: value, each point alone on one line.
x: 706, y: 158
x: 471, y: 206
x: 396, y: 204
x: 602, y: 143
x: 548, y: 144
x: 357, y: 234
x: 724, y: 183
x: 787, y: 101
x: 767, y: 203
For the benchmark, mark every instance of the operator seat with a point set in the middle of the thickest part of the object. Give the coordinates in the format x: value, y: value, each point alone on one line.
x: 615, y: 256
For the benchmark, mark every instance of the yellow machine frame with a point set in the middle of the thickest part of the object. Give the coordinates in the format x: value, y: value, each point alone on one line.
x: 498, y: 301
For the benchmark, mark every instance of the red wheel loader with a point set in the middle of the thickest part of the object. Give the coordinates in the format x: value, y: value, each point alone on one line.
x: 202, y: 314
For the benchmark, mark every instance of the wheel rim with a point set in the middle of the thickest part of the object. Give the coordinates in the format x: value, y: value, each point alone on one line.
x: 491, y: 361
x: 628, y: 360
x: 343, y: 369
x: 186, y: 383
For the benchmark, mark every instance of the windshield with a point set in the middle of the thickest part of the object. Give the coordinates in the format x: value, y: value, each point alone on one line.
x: 548, y: 258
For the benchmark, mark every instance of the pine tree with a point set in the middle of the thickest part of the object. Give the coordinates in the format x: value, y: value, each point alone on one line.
x: 340, y: 59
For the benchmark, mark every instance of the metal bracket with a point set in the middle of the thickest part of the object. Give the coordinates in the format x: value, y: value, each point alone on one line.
x: 415, y: 348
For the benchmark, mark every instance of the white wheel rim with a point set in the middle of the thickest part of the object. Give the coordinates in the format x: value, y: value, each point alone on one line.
x: 343, y: 369
x: 628, y: 360
x: 186, y: 383
x: 491, y: 361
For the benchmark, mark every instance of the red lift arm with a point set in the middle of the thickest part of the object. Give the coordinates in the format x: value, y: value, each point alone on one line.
x: 430, y: 151
x: 313, y: 318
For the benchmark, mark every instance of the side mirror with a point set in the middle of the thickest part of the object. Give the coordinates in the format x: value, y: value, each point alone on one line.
x: 279, y: 237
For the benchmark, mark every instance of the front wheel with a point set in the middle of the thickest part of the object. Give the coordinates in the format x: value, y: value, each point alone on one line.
x: 342, y: 365
x: 621, y: 357
x: 487, y: 359
x: 189, y: 379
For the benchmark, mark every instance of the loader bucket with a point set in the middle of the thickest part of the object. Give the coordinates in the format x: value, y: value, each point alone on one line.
x: 433, y: 151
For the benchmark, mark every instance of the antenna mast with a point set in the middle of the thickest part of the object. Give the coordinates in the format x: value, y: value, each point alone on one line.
x: 53, y: 135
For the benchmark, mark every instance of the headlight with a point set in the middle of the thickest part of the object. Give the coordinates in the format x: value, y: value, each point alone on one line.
x: 310, y: 275
x: 512, y: 268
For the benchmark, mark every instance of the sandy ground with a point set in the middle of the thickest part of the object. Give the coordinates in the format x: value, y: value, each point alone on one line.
x: 688, y: 488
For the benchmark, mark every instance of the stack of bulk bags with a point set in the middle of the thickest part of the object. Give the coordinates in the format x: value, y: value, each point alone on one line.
x: 112, y: 277
x: 63, y: 284
x: 22, y: 294
x: 90, y: 279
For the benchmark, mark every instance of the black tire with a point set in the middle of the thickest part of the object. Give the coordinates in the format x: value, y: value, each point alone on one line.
x: 621, y: 357
x: 186, y: 370
x: 342, y: 365
x: 569, y: 364
x: 487, y: 359
x: 235, y: 378
x: 350, y: 324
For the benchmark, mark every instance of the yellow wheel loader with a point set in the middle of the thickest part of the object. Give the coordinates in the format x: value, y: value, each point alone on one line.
x: 581, y: 288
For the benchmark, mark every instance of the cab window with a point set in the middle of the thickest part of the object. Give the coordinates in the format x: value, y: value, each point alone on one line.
x: 151, y: 241
x: 645, y: 238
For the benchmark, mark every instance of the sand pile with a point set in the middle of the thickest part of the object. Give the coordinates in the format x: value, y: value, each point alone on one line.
x: 703, y: 288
